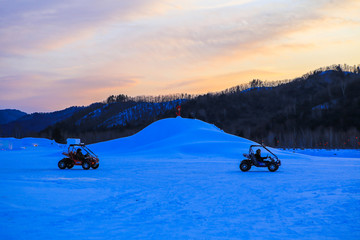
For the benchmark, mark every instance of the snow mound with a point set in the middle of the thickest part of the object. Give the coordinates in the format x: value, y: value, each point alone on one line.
x: 178, y: 136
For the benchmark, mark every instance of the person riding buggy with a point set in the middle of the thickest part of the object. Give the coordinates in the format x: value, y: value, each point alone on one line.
x: 79, y: 154
x: 255, y: 159
x: 74, y: 156
x: 258, y: 156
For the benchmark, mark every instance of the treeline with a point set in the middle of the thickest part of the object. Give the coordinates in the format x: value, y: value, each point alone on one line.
x: 257, y: 83
x: 335, y: 67
x: 150, y: 99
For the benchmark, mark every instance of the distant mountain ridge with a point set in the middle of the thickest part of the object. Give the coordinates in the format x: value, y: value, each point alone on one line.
x: 30, y: 124
x: 9, y: 115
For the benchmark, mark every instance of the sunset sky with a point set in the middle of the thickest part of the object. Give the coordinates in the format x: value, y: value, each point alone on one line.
x: 60, y: 53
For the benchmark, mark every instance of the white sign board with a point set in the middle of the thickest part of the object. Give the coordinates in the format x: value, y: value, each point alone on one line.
x: 72, y: 141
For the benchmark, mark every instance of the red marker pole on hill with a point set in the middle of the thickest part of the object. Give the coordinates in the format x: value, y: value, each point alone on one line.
x: 178, y: 111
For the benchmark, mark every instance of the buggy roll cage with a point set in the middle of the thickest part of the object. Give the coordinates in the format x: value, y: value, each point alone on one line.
x: 82, y: 145
x: 252, y: 151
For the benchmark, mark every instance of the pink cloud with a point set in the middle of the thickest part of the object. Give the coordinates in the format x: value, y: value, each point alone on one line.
x: 32, y: 26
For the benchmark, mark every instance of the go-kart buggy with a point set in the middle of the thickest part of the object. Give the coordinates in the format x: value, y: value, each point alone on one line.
x: 73, y: 157
x: 273, y: 163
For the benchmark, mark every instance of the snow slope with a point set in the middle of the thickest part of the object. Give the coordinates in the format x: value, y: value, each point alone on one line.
x: 176, y: 179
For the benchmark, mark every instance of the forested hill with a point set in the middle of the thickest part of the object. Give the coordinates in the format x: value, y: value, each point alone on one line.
x: 319, y: 109
x: 9, y: 115
x: 31, y: 124
x: 118, y: 116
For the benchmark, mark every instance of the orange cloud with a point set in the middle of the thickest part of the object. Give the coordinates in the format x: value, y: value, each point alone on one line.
x: 206, y: 84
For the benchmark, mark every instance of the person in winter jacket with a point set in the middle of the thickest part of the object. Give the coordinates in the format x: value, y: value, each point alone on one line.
x: 79, y: 154
x: 258, y: 156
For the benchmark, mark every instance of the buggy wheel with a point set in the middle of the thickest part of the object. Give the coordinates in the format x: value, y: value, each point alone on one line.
x: 62, y: 164
x: 273, y: 167
x: 86, y: 165
x: 70, y: 164
x: 95, y: 166
x: 245, y: 166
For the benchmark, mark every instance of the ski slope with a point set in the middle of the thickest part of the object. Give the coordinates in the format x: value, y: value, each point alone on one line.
x: 176, y: 179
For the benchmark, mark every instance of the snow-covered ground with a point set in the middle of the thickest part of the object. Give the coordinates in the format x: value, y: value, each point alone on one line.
x: 176, y: 179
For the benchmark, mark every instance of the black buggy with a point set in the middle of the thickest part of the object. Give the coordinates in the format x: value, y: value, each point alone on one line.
x: 273, y: 163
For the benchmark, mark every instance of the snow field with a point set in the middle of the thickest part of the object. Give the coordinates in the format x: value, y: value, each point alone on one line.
x: 177, y: 179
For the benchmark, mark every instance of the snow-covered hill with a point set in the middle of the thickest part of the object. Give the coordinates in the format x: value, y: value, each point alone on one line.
x: 176, y: 136
x: 176, y: 179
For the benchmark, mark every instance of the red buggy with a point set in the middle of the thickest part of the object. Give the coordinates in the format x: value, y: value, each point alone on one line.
x: 74, y: 156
